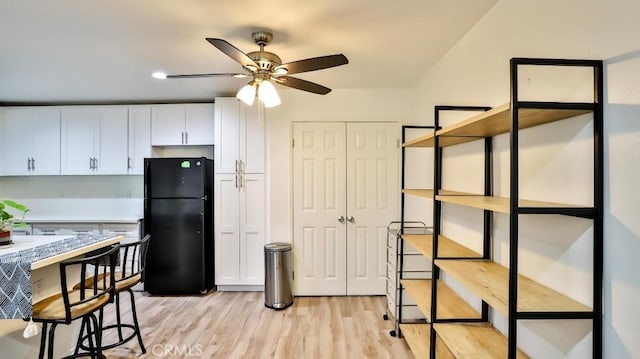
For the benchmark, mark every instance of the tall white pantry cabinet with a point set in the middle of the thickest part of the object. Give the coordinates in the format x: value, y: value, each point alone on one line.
x: 239, y: 218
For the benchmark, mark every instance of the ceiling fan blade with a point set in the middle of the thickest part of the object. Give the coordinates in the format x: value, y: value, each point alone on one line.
x: 303, y: 85
x: 315, y: 63
x: 190, y: 76
x: 233, y: 52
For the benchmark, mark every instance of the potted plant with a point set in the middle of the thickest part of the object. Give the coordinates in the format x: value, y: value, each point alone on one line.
x: 8, y: 220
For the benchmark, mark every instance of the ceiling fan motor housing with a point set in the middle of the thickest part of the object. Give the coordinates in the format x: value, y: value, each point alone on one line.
x: 266, y: 60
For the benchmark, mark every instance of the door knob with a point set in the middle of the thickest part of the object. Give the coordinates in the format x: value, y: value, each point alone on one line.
x: 341, y: 219
x: 351, y: 219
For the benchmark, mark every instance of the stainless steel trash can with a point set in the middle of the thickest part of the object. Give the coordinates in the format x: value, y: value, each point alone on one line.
x: 277, y: 275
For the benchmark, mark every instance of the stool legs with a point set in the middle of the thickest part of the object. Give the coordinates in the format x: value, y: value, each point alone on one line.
x: 135, y: 321
x: 119, y: 325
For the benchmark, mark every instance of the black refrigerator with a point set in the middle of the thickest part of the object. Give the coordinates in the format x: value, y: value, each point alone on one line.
x: 178, y: 214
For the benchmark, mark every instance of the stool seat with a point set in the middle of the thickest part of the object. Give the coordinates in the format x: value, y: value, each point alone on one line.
x: 53, y: 307
x: 123, y: 282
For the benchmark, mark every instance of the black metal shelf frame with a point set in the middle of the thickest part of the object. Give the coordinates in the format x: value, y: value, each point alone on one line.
x: 595, y: 213
x: 400, y: 240
x: 437, y: 216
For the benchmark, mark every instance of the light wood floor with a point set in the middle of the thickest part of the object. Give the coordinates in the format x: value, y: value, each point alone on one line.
x: 238, y: 325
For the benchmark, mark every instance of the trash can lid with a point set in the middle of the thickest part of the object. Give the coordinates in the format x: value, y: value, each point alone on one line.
x: 277, y: 247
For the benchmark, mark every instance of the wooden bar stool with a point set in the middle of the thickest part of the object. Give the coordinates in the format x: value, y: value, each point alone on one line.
x: 79, y: 302
x: 128, y: 273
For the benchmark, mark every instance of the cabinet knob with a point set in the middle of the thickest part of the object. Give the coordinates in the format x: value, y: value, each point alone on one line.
x: 351, y: 219
x: 341, y: 219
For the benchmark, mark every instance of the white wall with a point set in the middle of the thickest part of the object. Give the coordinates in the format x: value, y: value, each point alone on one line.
x: 476, y: 72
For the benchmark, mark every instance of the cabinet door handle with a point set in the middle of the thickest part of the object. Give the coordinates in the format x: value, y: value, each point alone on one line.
x: 33, y: 164
x: 242, y: 167
x: 182, y: 137
x: 95, y: 163
x: 236, y: 180
x: 341, y: 219
x: 90, y: 163
x: 186, y: 138
x: 237, y: 166
x: 128, y: 163
x: 351, y: 219
x: 28, y: 164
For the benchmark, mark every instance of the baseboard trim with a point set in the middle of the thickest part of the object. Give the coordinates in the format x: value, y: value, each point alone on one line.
x: 240, y: 288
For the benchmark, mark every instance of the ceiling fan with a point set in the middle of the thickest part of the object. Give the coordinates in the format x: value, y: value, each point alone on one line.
x: 264, y: 67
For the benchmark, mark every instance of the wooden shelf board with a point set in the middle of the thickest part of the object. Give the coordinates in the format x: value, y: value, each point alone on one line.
x: 423, y: 243
x: 447, y: 248
x: 497, y: 204
x: 422, y: 141
x: 497, y: 121
x: 426, y: 193
x: 490, y: 281
x: 417, y: 337
x: 450, y: 305
x: 476, y: 341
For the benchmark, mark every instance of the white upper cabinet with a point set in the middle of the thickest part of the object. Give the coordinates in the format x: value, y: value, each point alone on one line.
x: 94, y: 140
x: 139, y: 138
x: 199, y: 124
x: 239, y: 137
x: 31, y: 141
x: 182, y: 124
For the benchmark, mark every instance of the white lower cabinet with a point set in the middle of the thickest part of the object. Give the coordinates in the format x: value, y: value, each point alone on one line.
x: 239, y: 229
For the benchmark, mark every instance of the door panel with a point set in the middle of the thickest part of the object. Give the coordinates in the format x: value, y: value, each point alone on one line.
x: 319, y: 192
x: 252, y: 229
x: 111, y: 141
x: 227, y: 239
x: 175, y: 258
x: 372, y: 202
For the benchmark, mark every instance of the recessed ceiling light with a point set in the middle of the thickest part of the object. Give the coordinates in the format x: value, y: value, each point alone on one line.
x: 159, y: 75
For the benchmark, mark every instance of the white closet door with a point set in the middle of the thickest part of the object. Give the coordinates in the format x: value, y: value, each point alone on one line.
x: 319, y: 192
x: 372, y: 202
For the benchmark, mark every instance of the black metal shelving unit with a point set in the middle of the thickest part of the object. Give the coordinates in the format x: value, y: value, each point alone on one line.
x: 510, y: 119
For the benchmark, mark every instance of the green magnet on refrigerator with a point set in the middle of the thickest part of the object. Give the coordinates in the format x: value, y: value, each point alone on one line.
x: 185, y: 164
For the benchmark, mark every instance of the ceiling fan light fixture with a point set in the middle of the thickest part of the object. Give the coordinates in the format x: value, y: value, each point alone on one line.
x: 159, y: 75
x: 247, y: 93
x: 268, y: 95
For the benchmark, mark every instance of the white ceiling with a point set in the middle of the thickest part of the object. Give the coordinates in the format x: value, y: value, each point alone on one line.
x: 89, y: 51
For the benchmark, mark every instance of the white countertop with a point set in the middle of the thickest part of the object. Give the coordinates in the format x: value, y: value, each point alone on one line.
x: 81, y: 220
x: 27, y: 242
